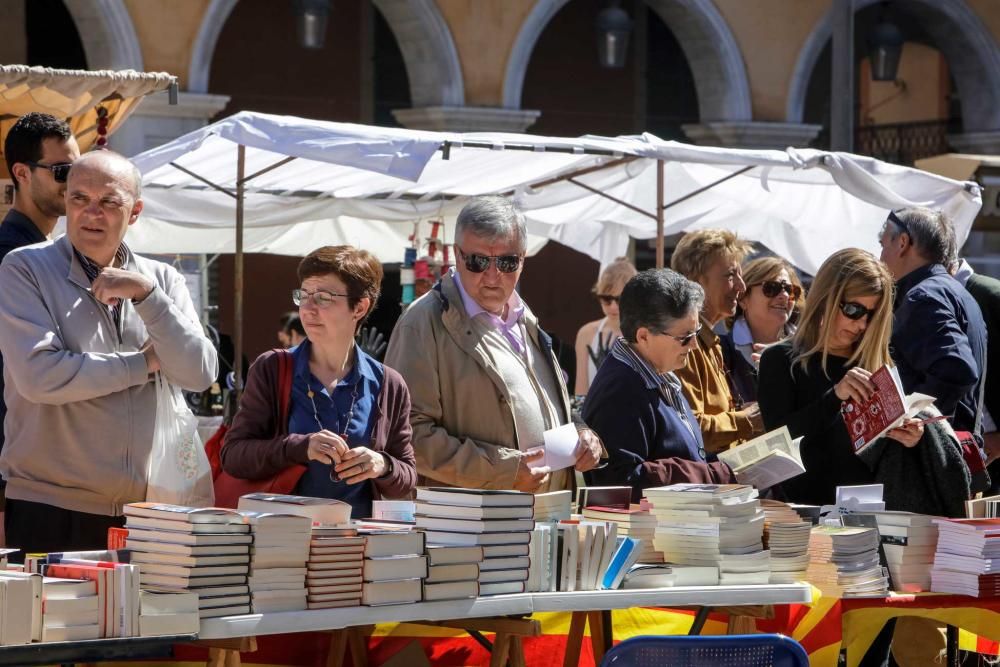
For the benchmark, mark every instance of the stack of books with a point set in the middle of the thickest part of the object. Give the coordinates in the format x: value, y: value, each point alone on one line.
x: 452, y: 572
x: 324, y: 511
x: 636, y: 521
x: 908, y: 541
x: 278, y: 560
x: 333, y: 574
x: 70, y: 610
x: 553, y: 506
x: 786, y: 536
x: 844, y: 562
x: 394, y: 566
x: 967, y: 560
x: 586, y: 550
x: 167, y: 613
x: 486, y: 518
x: 202, y: 550
x: 708, y: 525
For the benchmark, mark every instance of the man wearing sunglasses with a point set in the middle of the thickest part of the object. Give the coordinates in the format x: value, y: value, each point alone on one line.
x: 39, y: 191
x: 484, y: 382
x: 938, y: 335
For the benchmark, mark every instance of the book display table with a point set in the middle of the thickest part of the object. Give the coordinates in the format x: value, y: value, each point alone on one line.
x: 581, y: 602
x: 91, y: 650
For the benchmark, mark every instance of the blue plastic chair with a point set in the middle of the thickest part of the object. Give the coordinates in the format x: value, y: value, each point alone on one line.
x: 707, y: 651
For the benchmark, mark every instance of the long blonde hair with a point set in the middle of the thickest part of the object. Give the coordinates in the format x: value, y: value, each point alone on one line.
x: 845, y: 275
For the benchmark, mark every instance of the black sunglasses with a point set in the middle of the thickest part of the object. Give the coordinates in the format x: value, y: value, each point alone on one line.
x: 480, y: 263
x: 896, y: 220
x: 686, y: 338
x: 60, y: 172
x: 855, y: 311
x: 772, y: 288
x: 607, y: 299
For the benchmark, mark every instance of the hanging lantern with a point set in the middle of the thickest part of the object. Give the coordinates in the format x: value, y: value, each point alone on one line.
x: 885, y: 46
x: 613, y: 28
x: 310, y: 22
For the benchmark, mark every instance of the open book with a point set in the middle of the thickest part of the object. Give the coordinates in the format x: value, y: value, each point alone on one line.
x: 765, y: 460
x: 885, y: 410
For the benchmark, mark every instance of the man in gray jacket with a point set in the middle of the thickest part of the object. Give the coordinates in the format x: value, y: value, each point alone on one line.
x: 83, y: 324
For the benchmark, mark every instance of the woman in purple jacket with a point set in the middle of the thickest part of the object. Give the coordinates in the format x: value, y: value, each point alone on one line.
x: 347, y: 414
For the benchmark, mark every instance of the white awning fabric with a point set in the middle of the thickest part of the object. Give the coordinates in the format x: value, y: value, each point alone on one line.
x: 370, y: 186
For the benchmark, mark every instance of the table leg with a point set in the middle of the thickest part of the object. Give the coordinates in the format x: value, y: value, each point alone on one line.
x: 516, y: 651
x: 699, y: 621
x: 596, y: 635
x: 609, y: 632
x: 951, y: 634
x: 338, y: 647
x: 358, y: 643
x: 574, y: 639
x: 501, y: 650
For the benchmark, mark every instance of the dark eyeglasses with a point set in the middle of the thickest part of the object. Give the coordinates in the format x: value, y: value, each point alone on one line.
x: 772, y: 288
x: 686, y: 339
x: 855, y: 311
x: 60, y: 172
x: 607, y: 299
x: 480, y: 263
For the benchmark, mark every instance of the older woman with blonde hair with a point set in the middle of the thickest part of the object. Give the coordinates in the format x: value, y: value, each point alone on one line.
x: 595, y: 338
x: 763, y: 317
x: 843, y: 336
x: 713, y: 258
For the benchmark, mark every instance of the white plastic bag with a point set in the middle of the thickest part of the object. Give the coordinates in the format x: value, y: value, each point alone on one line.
x: 179, y: 471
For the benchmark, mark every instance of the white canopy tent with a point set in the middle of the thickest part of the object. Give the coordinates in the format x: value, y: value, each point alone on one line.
x: 260, y: 183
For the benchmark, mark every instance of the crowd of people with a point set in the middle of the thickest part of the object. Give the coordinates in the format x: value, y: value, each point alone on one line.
x: 686, y: 363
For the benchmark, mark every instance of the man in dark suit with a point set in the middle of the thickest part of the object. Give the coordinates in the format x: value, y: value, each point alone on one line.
x: 986, y: 291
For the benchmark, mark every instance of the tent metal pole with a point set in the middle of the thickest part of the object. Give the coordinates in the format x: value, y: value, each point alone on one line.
x: 241, y: 154
x: 659, y: 214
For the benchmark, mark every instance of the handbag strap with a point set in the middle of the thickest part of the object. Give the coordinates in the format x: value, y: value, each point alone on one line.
x: 285, y: 370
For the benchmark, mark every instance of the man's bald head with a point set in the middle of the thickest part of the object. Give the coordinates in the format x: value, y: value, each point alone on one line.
x: 112, y: 164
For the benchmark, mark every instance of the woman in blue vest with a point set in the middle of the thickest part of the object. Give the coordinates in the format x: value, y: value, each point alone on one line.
x: 635, y: 403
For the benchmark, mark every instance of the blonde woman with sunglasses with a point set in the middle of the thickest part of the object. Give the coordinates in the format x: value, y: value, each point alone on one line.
x: 843, y: 336
x: 763, y: 317
x: 595, y: 338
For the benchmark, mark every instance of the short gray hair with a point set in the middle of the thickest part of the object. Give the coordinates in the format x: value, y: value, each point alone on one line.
x: 931, y: 232
x: 115, y: 161
x: 493, y: 218
x: 655, y: 299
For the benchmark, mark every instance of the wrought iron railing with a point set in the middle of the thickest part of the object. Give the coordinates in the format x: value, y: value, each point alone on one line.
x: 903, y: 143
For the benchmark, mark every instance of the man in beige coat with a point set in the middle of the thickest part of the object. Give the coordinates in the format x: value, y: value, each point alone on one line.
x: 484, y: 382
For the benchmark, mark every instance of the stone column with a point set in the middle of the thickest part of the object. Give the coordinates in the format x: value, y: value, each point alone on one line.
x: 749, y: 134
x: 467, y: 119
x: 156, y: 121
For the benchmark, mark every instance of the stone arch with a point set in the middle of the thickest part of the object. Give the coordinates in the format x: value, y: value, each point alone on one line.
x: 711, y: 49
x: 974, y: 61
x: 107, y: 33
x: 432, y: 65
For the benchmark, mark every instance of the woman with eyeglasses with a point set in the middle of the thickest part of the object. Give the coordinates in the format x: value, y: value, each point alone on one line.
x: 763, y: 317
x: 636, y: 404
x: 345, y: 417
x: 842, y: 337
x: 595, y: 338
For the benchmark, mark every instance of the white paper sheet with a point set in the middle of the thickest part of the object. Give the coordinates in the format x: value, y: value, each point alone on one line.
x: 560, y: 447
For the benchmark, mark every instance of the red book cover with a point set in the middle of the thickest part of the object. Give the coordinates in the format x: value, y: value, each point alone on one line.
x: 866, y: 421
x: 116, y: 538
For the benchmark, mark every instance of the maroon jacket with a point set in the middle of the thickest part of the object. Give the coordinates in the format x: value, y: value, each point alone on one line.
x: 257, y: 446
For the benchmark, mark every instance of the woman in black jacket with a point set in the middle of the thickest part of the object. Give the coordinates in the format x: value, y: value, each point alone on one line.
x: 842, y: 338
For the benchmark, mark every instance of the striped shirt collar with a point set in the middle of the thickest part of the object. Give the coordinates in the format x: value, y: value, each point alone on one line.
x: 92, y: 269
x: 624, y: 353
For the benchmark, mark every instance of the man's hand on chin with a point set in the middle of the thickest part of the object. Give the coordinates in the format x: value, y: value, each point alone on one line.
x: 113, y: 285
